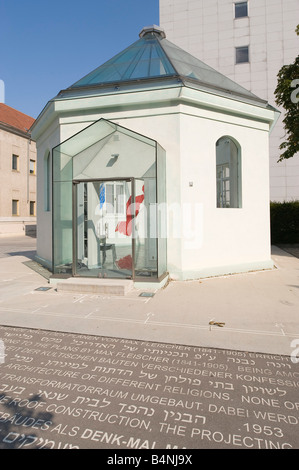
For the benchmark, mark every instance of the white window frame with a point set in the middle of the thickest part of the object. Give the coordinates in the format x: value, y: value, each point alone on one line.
x: 223, y: 185
x: 228, y: 183
x: 118, y: 200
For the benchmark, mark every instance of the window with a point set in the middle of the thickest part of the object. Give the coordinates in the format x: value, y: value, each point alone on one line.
x: 15, y: 207
x: 32, y: 167
x: 241, y: 9
x: 15, y: 162
x: 32, y: 208
x: 228, y: 173
x: 115, y: 198
x: 242, y: 55
x: 223, y: 185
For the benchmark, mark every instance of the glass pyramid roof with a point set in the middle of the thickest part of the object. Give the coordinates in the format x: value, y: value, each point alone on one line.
x: 154, y: 57
x: 143, y: 59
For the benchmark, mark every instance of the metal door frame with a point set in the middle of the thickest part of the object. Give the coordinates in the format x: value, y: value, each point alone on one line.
x: 75, y: 215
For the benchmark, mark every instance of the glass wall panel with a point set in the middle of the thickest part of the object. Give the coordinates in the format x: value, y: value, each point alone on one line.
x: 101, y: 163
x: 145, y: 229
x: 118, y: 155
x: 162, y: 211
x: 62, y: 166
x: 62, y: 227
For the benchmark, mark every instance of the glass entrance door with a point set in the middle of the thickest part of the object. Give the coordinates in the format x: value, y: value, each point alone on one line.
x: 145, y: 228
x: 103, y: 229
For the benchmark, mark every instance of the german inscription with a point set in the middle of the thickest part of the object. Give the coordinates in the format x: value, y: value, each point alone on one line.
x: 67, y: 391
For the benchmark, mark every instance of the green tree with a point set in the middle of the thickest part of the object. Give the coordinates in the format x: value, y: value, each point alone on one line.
x: 287, y: 96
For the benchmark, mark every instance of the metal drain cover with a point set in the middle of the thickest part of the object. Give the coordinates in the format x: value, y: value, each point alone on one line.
x: 146, y: 294
x: 43, y: 288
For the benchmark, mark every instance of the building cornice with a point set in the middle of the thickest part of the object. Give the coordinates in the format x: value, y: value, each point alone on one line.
x: 15, y: 130
x: 146, y: 98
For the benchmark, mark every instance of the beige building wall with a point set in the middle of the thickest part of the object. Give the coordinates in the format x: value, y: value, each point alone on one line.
x: 209, y: 30
x: 17, y: 184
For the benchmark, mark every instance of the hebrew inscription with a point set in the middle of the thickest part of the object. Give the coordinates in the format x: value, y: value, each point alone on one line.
x: 67, y: 391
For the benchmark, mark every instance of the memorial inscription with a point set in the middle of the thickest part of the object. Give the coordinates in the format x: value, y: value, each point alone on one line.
x: 67, y: 391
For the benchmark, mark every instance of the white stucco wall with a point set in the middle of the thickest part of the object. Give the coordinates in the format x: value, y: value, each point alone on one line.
x: 220, y: 241
x: 48, y: 140
x: 232, y: 240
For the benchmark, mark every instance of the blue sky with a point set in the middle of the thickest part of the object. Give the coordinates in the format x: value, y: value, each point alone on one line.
x: 47, y: 45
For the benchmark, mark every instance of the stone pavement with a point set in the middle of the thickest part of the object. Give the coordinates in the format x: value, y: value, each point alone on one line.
x: 201, y: 364
x: 292, y: 249
x: 258, y: 310
x: 68, y: 391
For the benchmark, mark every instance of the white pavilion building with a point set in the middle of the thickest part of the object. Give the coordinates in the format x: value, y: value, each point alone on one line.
x: 153, y: 165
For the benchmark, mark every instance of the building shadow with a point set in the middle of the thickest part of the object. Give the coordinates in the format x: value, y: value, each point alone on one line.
x: 22, y: 427
x: 30, y: 254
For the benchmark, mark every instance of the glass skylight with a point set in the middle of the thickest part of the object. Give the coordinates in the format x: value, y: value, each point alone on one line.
x: 154, y: 57
x: 144, y: 59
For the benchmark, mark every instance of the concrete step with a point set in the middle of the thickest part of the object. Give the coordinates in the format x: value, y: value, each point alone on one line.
x: 95, y: 286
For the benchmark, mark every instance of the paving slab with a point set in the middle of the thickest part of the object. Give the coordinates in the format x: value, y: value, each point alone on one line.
x: 67, y: 391
x: 206, y: 364
x: 258, y: 311
x: 95, y: 286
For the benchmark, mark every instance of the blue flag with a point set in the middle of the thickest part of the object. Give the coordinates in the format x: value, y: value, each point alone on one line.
x: 102, y: 195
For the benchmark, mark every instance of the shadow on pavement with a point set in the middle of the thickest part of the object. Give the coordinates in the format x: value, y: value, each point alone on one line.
x: 28, y: 254
x: 22, y: 429
x: 290, y: 249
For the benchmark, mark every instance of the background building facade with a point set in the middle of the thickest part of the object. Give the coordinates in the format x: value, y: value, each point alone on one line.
x: 248, y: 41
x: 17, y: 173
